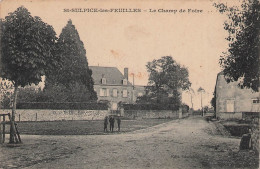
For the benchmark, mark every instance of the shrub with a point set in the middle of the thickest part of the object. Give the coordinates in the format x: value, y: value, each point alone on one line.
x: 149, y: 107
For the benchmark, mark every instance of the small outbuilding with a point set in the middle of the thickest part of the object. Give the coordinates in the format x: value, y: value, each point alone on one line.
x: 232, y: 102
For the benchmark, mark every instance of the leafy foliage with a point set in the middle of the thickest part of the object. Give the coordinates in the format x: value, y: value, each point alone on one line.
x: 28, y: 94
x: 166, y: 78
x: 73, y: 78
x: 27, y: 48
x: 60, y: 93
x: 213, y: 100
x: 241, y: 61
x: 6, y: 92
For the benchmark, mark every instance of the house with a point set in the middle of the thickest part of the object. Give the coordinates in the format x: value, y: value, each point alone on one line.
x: 232, y: 102
x: 113, y: 86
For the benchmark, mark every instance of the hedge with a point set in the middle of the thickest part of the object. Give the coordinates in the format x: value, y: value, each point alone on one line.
x: 62, y: 106
x: 149, y: 107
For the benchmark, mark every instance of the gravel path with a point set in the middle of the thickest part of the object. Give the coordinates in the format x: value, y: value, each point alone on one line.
x: 176, y: 144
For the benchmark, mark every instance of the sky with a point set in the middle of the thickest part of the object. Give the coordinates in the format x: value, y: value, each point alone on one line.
x: 194, y: 39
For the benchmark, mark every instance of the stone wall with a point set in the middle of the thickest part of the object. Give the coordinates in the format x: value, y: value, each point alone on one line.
x: 149, y: 114
x: 56, y: 115
x: 229, y: 115
x: 53, y: 115
x: 255, y: 137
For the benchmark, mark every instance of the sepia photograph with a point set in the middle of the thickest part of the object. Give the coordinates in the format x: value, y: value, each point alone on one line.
x: 129, y: 84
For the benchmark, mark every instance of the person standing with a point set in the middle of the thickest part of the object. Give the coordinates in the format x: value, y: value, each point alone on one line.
x: 118, y: 123
x: 112, y: 123
x: 105, y: 124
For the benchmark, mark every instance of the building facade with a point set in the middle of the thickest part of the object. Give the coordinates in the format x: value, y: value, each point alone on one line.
x: 113, y: 86
x: 234, y: 102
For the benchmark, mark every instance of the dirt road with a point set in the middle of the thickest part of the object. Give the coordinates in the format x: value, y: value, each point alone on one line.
x: 176, y: 144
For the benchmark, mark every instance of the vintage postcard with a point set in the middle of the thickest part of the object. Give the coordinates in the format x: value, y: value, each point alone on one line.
x: 129, y: 84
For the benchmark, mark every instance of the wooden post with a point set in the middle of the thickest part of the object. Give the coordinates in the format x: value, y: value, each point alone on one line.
x: 1, y: 139
x: 12, y: 135
x: 36, y: 116
x: 3, y: 129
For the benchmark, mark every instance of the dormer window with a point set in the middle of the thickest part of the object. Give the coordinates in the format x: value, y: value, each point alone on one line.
x: 104, y: 80
x: 125, y: 82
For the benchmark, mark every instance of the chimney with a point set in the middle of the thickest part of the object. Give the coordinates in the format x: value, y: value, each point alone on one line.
x: 126, y: 73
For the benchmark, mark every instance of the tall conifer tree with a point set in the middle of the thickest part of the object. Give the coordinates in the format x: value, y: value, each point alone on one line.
x: 74, y: 76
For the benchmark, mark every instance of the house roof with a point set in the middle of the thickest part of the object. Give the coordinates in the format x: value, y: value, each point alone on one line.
x: 112, y: 74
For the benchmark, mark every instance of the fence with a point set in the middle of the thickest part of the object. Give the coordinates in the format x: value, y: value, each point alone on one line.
x: 2, y: 126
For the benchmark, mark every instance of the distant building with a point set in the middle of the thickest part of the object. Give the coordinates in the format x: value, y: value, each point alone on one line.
x: 109, y: 83
x: 113, y: 86
x: 234, y: 102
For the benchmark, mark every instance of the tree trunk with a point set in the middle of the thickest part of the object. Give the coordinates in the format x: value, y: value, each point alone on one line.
x: 12, y: 129
x: 191, y: 102
x: 14, y: 102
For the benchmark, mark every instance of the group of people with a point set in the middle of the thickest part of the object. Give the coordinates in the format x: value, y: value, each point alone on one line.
x: 111, y: 121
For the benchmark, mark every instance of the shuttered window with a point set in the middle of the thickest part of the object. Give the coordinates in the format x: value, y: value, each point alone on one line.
x: 107, y: 94
x: 114, y: 92
x: 124, y: 93
x: 104, y: 92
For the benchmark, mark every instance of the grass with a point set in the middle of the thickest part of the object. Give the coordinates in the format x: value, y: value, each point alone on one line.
x: 83, y: 127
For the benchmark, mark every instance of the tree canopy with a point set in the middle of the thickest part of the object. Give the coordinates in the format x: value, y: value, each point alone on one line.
x: 166, y: 79
x: 27, y: 48
x: 241, y: 61
x: 74, y: 78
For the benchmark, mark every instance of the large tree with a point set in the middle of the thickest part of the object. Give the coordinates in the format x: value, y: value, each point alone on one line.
x: 27, y: 51
x: 74, y: 78
x: 166, y: 79
x: 241, y: 61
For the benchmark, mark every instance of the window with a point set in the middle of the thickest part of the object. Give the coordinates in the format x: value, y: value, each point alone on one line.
x: 255, y: 101
x: 104, y: 92
x: 230, y: 106
x: 124, y: 93
x: 104, y: 80
x: 101, y: 92
x: 114, y: 92
x: 107, y: 92
x: 114, y: 106
x: 125, y: 82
